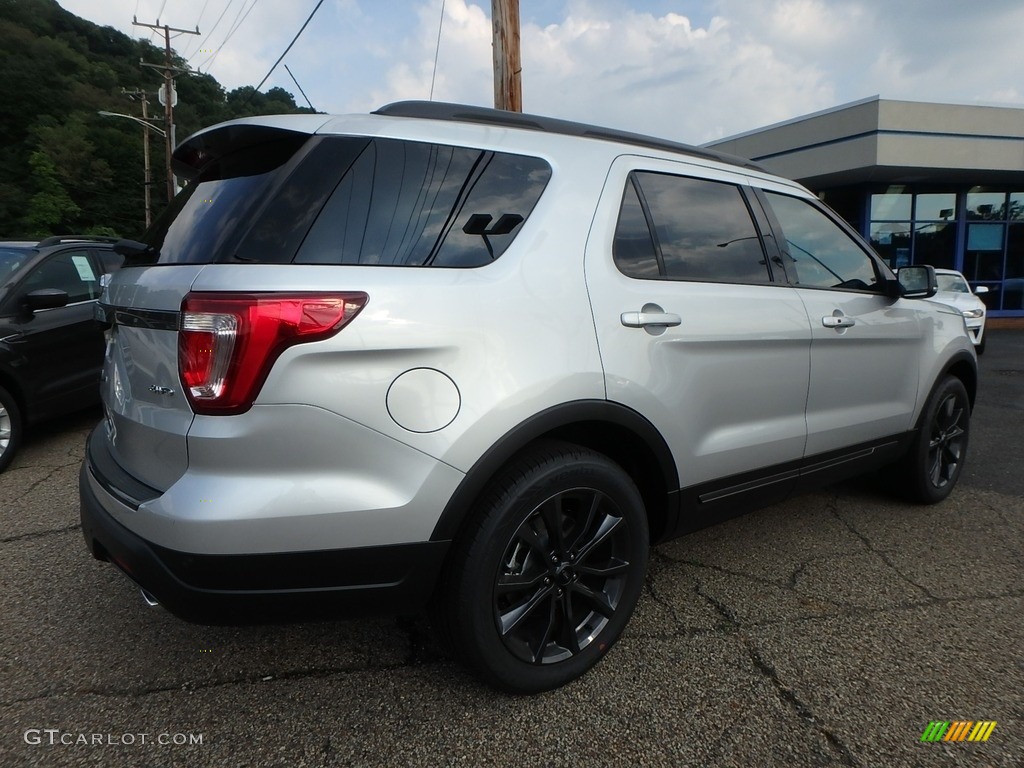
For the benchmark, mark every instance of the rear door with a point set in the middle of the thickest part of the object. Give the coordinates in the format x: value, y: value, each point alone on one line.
x: 866, y: 346
x: 694, y: 332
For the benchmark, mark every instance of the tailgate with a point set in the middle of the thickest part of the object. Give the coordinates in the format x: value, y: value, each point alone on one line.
x: 147, y: 415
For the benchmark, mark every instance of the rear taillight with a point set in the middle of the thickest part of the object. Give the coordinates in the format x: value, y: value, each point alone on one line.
x: 228, y: 342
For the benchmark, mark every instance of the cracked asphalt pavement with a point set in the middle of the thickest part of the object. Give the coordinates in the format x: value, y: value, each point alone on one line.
x: 828, y: 630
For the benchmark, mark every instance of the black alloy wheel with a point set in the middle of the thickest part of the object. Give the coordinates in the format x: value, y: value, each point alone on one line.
x: 562, y: 576
x: 947, y: 443
x: 935, y: 461
x: 545, y: 575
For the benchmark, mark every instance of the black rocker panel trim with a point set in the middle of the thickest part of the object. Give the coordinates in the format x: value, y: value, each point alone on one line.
x: 708, y: 503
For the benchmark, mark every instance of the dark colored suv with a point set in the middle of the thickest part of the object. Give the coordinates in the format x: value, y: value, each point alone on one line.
x: 51, y: 346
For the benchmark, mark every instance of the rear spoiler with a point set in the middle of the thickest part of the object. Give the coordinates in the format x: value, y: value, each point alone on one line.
x: 210, y: 145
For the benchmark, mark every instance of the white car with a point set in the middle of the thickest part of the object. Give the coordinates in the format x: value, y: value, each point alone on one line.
x: 954, y: 291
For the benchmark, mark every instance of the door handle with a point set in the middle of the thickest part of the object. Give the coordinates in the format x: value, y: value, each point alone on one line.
x: 838, y: 320
x: 647, y: 319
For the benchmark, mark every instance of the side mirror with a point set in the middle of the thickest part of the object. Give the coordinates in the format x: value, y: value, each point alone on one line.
x: 981, y: 289
x: 917, y: 282
x: 46, y: 298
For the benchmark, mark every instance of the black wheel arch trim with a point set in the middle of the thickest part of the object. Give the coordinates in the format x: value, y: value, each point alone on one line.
x: 961, y: 363
x: 596, y: 424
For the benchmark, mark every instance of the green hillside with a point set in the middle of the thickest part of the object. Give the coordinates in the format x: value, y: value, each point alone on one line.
x: 63, y: 167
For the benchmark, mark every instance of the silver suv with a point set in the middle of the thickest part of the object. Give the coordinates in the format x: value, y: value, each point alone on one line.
x: 480, y: 360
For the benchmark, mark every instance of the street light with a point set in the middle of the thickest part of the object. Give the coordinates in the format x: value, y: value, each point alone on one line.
x: 148, y: 126
x: 139, y: 120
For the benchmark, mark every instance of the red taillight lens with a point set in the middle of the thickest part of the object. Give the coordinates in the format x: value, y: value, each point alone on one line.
x: 229, y: 341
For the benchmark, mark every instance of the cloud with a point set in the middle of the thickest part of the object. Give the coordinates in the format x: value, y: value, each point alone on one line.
x: 608, y: 64
x: 691, y: 70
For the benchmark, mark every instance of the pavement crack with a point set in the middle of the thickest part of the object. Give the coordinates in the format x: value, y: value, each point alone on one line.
x: 40, y: 534
x: 789, y: 697
x: 833, y: 507
x: 191, y: 687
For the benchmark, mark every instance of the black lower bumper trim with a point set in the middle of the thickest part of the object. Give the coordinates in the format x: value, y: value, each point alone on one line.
x: 257, y: 588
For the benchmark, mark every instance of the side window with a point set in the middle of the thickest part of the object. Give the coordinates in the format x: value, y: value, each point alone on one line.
x: 413, y: 204
x: 697, y: 229
x: 820, y: 252
x: 70, y: 271
x: 633, y: 247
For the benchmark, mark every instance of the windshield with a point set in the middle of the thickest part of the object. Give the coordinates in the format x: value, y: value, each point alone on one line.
x: 952, y: 284
x: 11, y: 259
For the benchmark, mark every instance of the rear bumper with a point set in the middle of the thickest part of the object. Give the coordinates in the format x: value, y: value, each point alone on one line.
x: 240, y: 588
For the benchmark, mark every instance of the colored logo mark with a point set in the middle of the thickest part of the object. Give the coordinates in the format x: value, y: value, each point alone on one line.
x: 958, y: 730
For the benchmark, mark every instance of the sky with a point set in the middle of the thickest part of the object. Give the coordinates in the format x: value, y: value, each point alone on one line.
x: 686, y: 70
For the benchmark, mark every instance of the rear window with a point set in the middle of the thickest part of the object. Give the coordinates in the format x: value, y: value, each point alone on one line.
x: 204, y: 221
x: 404, y: 203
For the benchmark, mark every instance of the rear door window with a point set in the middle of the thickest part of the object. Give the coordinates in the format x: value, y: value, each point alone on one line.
x: 416, y: 204
x: 681, y: 228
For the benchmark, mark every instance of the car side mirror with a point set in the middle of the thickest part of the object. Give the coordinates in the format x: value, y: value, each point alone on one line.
x: 917, y: 282
x: 981, y: 289
x: 46, y: 298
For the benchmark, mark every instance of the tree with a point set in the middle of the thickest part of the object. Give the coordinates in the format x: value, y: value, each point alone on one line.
x: 50, y: 207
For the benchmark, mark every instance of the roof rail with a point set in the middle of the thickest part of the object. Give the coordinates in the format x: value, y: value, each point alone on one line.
x: 58, y: 239
x: 439, y: 110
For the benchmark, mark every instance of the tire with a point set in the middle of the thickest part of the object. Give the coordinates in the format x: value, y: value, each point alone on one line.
x: 10, y: 428
x: 546, y: 575
x: 935, y: 460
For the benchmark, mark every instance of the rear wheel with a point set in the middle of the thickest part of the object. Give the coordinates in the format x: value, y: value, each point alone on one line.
x: 10, y: 428
x: 549, y: 572
x: 936, y: 459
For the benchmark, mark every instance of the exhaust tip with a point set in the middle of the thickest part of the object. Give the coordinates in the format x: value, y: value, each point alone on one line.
x: 151, y: 601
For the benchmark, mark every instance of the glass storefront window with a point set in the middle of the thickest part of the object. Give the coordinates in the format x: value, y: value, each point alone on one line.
x: 986, y: 205
x: 935, y: 244
x: 1016, y: 206
x: 935, y: 207
x: 1013, y: 282
x: 891, y: 205
x: 891, y: 240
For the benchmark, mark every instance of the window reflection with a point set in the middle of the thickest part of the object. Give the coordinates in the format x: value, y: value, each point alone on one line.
x: 702, y: 231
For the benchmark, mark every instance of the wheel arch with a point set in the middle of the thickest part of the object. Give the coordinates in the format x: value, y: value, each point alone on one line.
x: 10, y: 383
x: 964, y: 367
x: 618, y: 432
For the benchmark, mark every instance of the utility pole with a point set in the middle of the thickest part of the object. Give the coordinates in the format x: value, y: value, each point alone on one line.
x: 141, y: 95
x: 508, y: 89
x: 169, y: 71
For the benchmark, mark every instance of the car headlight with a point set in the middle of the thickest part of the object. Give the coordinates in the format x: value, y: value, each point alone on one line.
x: 974, y: 313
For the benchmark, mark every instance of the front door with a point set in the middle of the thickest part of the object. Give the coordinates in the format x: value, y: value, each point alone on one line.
x: 865, y: 345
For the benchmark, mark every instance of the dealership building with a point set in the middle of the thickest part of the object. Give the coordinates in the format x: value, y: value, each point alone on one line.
x: 935, y: 184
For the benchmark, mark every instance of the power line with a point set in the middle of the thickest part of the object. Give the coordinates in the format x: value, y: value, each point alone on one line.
x: 209, y: 34
x: 300, y: 88
x: 185, y: 52
x: 237, y: 24
x: 312, y: 13
x: 437, y: 50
